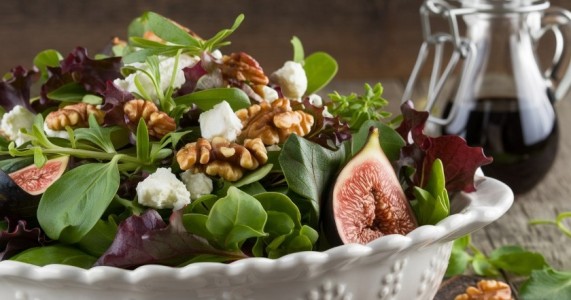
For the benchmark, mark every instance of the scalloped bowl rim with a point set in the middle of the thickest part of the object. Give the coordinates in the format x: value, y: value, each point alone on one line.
x: 476, y: 214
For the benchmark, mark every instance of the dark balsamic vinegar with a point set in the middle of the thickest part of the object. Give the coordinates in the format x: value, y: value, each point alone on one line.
x: 496, y: 125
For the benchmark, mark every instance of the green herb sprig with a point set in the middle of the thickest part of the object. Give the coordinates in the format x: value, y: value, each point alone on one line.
x: 356, y: 109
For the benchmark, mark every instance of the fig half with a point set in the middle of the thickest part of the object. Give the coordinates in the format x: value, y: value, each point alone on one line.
x: 368, y: 201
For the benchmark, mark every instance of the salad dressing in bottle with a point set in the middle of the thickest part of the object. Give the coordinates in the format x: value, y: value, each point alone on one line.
x: 501, y: 99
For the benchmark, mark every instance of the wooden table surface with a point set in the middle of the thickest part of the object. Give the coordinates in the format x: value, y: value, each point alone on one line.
x: 551, y: 197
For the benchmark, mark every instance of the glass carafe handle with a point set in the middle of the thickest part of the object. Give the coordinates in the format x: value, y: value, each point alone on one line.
x: 558, y: 21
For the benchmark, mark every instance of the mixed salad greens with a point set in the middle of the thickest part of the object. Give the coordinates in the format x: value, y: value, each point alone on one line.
x: 176, y: 153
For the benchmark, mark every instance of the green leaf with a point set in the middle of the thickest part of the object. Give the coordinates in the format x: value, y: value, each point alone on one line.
x: 99, y: 238
x: 308, y: 169
x: 97, y: 135
x: 272, y: 201
x: 217, y: 40
x: 517, y: 260
x: 298, y: 54
x: 39, y: 157
x: 279, y: 224
x: 255, y: 176
x: 206, y: 99
x: 56, y: 254
x: 432, y: 203
x: 44, y: 59
x: 483, y: 267
x: 142, y: 145
x: 320, y: 68
x: 168, y: 31
x: 72, y: 205
x: 235, y: 218
x: 14, y: 164
x: 390, y: 140
x: 92, y: 99
x: 71, y: 92
x: 196, y: 224
x: 459, y: 258
x: 547, y: 284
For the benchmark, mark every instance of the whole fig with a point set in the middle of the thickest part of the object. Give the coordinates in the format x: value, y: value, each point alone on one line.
x: 367, y: 201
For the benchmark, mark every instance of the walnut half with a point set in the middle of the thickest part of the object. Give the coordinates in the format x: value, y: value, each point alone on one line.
x: 74, y: 116
x: 487, y: 290
x: 220, y: 157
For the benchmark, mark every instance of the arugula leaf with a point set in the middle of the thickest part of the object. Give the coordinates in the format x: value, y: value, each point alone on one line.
x: 56, y: 254
x: 72, y: 205
x: 547, y: 284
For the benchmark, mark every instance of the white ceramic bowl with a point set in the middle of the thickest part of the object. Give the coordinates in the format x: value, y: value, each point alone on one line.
x: 392, y: 267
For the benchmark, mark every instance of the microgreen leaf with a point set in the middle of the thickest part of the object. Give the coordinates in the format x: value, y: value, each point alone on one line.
x: 320, y: 68
x: 67, y: 212
x: 142, y: 144
x: 44, y: 59
x: 298, y: 54
x: 356, y: 109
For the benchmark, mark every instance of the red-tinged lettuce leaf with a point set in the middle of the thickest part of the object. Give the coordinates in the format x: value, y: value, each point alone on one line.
x: 113, y: 102
x: 147, y: 239
x: 18, y: 237
x: 15, y: 88
x: 329, y: 132
x: 191, y: 76
x: 92, y: 74
x: 460, y: 161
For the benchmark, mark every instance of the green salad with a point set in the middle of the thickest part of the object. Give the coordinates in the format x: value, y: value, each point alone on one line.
x: 164, y: 149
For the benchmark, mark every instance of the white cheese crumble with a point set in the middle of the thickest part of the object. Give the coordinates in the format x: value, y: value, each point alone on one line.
x: 197, y: 184
x: 270, y: 94
x: 55, y: 133
x: 292, y: 80
x: 13, y: 121
x: 315, y: 100
x: 166, y: 66
x: 220, y: 121
x: 163, y: 190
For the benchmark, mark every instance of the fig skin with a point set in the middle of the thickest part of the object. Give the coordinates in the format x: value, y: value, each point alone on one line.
x: 367, y: 200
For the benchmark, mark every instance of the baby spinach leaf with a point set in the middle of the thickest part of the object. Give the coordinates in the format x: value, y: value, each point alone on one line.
x: 56, y: 254
x: 206, y: 99
x: 278, y: 224
x: 70, y: 92
x: 71, y: 206
x: 308, y: 169
x: 547, y: 284
x: 235, y: 218
x: 279, y: 202
x: 100, y: 237
x: 320, y: 68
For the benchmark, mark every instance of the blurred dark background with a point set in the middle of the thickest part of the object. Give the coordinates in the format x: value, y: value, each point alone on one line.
x: 369, y: 38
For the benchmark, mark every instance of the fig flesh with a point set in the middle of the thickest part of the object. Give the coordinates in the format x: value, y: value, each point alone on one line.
x: 367, y: 200
x: 36, y: 180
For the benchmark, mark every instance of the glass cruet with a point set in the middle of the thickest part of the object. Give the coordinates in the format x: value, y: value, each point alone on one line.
x: 492, y: 91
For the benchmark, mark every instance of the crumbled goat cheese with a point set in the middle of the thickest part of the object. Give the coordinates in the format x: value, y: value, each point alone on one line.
x: 197, y: 184
x: 166, y: 65
x: 315, y: 100
x: 55, y: 133
x: 13, y: 121
x: 292, y: 80
x: 270, y: 94
x: 163, y: 190
x: 220, y: 121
